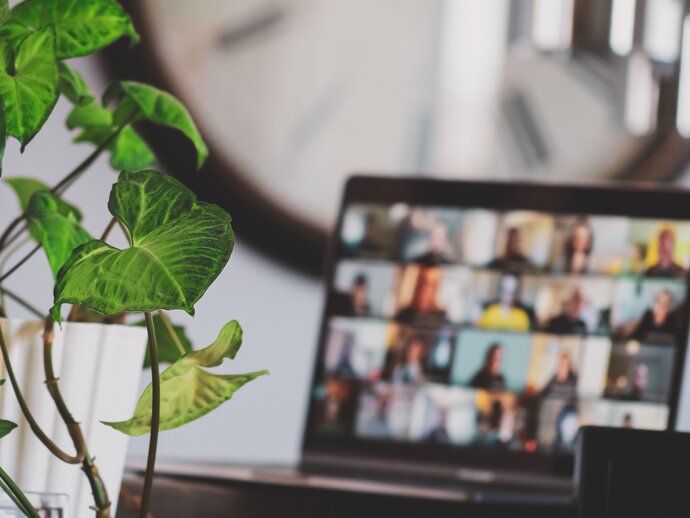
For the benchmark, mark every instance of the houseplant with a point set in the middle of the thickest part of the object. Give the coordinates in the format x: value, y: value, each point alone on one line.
x: 177, y: 244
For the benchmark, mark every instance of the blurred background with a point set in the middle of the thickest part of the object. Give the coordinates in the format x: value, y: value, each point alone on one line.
x: 295, y: 95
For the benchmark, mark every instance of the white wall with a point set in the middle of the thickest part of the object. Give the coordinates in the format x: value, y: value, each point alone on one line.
x: 278, y: 309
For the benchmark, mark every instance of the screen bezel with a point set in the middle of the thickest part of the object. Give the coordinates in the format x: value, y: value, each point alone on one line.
x: 629, y: 200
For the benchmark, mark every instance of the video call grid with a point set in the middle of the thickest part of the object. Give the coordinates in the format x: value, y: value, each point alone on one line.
x: 433, y: 259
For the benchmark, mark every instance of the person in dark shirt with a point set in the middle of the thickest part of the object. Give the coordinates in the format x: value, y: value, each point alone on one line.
x: 564, y: 381
x: 355, y: 302
x: 513, y: 259
x: 568, y: 322
x: 578, y: 248
x: 437, y: 247
x: 660, y: 319
x: 490, y: 375
x: 423, y: 308
x: 665, y: 265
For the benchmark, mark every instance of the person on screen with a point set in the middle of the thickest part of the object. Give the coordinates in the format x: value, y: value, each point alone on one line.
x: 569, y: 322
x: 423, y: 308
x: 490, y: 374
x: 439, y: 433
x: 507, y: 313
x: 377, y: 426
x: 578, y: 248
x: 660, y: 319
x: 412, y: 369
x: 371, y: 240
x: 627, y: 421
x: 354, y: 302
x: 513, y: 259
x: 564, y: 381
x: 437, y: 247
x: 640, y: 382
x: 665, y: 265
x: 344, y: 368
x: 567, y: 426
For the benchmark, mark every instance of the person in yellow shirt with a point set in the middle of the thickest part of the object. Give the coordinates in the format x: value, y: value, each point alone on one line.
x: 507, y: 313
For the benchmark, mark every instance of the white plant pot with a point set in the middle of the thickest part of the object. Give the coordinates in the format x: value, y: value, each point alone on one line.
x: 99, y: 369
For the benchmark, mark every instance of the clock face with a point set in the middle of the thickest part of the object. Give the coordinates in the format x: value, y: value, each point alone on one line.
x: 294, y: 96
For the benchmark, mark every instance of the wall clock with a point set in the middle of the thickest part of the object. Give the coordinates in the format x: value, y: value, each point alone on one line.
x: 295, y: 95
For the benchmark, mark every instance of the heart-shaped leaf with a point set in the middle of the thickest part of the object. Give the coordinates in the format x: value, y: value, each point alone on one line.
x: 53, y: 223
x: 158, y: 107
x: 73, y: 86
x: 81, y: 27
x: 29, y: 85
x: 187, y: 390
x: 25, y: 188
x: 178, y: 248
x: 168, y: 350
x: 6, y: 427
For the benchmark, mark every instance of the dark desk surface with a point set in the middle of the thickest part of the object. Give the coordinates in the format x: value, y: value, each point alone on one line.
x: 179, y: 497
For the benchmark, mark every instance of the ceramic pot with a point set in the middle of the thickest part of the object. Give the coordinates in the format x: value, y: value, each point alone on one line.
x: 99, y: 368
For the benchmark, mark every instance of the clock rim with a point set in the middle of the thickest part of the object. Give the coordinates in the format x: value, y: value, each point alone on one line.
x: 280, y: 235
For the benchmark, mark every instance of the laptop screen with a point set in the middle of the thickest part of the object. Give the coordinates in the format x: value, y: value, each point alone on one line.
x: 497, y: 331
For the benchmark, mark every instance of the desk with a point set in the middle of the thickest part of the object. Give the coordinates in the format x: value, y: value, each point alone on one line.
x: 180, y: 497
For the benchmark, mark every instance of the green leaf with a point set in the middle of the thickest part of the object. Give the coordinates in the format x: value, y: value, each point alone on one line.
x: 178, y: 248
x: 3, y: 133
x: 81, y: 27
x: 158, y: 107
x: 189, y: 392
x: 29, y: 85
x: 54, y: 225
x: 168, y: 352
x: 4, y: 10
x: 6, y: 427
x: 128, y: 152
x: 25, y: 188
x: 90, y: 115
x: 73, y: 86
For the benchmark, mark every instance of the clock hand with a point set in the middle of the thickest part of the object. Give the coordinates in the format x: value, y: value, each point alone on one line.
x: 260, y: 21
x: 321, y: 111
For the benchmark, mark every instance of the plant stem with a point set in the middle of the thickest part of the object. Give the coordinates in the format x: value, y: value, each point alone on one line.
x: 9, y: 254
x: 38, y: 432
x: 21, y: 301
x: 100, y: 494
x: 8, y: 491
x: 171, y: 331
x: 108, y: 228
x: 20, y: 263
x: 17, y: 496
x: 155, y: 418
x: 65, y: 183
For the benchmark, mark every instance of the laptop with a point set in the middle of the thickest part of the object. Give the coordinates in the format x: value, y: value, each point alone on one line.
x: 471, y: 328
